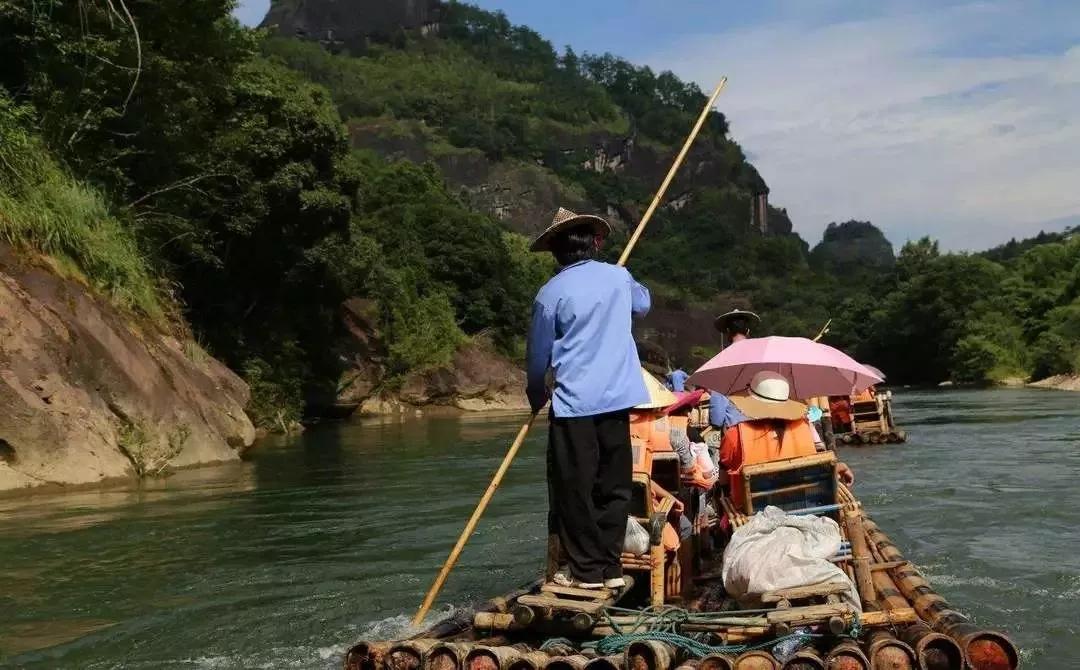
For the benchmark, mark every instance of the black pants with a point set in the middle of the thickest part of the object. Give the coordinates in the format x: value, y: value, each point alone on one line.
x: 590, y: 468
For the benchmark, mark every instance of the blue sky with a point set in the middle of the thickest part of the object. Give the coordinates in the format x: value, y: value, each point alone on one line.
x: 959, y: 120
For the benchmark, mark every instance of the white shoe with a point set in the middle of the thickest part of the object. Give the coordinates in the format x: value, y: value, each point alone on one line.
x: 563, y: 578
x: 614, y: 583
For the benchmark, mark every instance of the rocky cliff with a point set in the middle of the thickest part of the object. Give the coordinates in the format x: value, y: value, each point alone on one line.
x: 851, y: 247
x: 350, y: 23
x: 89, y: 394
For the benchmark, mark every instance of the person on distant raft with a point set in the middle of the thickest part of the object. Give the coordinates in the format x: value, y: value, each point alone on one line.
x: 676, y: 380
x: 581, y: 332
x: 734, y: 327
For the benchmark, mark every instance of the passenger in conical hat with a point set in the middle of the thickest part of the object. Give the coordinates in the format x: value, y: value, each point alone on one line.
x: 580, y: 330
x: 775, y: 428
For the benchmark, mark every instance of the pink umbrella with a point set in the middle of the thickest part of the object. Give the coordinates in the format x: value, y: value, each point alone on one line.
x: 812, y: 368
x: 875, y: 371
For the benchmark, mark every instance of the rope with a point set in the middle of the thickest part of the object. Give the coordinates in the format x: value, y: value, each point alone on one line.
x: 663, y: 623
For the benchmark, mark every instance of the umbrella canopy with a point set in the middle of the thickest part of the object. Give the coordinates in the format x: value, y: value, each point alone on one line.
x: 875, y: 371
x: 813, y: 369
x: 659, y: 395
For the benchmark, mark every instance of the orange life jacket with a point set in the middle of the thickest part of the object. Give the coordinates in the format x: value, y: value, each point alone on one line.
x: 752, y: 442
x: 649, y: 434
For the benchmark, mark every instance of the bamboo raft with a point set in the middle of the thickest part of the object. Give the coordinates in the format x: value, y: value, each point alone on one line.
x: 674, y: 614
x: 872, y: 422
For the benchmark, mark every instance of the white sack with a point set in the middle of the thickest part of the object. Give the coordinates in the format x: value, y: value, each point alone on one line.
x: 637, y: 538
x: 774, y: 550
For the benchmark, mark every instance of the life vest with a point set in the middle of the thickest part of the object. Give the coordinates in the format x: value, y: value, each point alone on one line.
x: 758, y: 442
x: 650, y: 433
x: 865, y: 396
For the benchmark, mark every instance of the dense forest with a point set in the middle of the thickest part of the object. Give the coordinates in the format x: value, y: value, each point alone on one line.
x: 203, y: 176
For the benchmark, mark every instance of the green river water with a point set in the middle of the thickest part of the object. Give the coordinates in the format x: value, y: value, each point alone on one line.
x: 282, y: 561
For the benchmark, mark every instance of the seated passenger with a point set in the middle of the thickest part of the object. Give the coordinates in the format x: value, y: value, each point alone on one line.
x: 776, y: 428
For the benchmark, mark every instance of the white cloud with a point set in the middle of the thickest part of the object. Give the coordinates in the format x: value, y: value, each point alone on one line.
x: 887, y: 119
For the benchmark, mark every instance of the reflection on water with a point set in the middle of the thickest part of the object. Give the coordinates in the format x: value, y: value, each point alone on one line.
x: 283, y: 561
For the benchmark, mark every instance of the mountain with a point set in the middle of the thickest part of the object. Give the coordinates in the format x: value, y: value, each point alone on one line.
x: 852, y: 247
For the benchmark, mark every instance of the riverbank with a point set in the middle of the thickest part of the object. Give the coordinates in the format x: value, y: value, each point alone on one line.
x: 1059, y: 382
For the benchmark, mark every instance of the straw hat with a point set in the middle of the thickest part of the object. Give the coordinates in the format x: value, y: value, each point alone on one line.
x: 565, y: 219
x: 767, y: 398
x: 721, y: 321
x: 659, y: 395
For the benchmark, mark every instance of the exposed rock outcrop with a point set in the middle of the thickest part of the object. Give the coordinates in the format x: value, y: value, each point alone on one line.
x: 351, y: 24
x: 477, y: 378
x: 87, y: 394
x: 852, y: 246
x: 1059, y: 382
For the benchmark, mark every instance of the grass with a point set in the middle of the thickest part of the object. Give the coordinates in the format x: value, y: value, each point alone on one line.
x: 44, y: 208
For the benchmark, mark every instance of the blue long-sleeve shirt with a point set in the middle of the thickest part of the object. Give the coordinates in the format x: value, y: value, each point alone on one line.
x: 581, y: 330
x: 676, y: 380
x: 722, y: 413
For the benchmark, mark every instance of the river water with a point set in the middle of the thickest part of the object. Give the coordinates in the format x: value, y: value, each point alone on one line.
x: 282, y: 561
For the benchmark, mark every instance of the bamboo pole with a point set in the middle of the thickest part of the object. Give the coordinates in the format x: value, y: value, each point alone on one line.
x: 470, y: 526
x: 671, y: 173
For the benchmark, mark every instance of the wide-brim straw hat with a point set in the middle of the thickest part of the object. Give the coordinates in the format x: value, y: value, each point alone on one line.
x: 721, y: 321
x: 565, y: 219
x: 659, y: 395
x: 767, y: 398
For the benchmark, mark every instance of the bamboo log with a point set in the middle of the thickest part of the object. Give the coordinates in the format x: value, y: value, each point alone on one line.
x: 409, y: 655
x: 888, y: 653
x: 447, y: 656
x: 606, y: 663
x: 717, y: 662
x: 933, y: 650
x: 756, y: 660
x: 559, y: 649
x: 649, y: 655
x: 861, y: 563
x: 531, y: 660
x: 847, y: 656
x: 983, y: 649
x: 495, y: 621
x: 889, y: 596
x: 574, y: 662
x: 366, y: 655
x: 805, y: 659
x: 491, y: 657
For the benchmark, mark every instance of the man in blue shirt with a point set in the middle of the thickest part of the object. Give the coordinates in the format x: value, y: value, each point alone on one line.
x: 676, y: 380
x: 581, y: 332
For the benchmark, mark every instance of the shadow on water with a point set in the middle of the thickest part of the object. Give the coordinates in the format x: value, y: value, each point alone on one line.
x: 284, y: 560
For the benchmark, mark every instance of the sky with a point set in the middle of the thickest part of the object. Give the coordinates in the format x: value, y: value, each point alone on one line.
x: 957, y: 120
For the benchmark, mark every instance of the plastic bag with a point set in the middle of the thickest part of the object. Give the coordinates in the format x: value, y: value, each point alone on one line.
x: 703, y: 459
x: 774, y: 550
x: 637, y: 538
